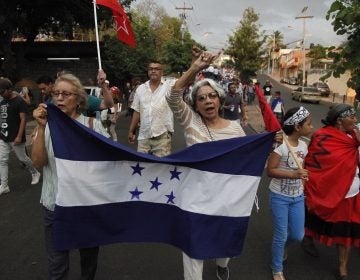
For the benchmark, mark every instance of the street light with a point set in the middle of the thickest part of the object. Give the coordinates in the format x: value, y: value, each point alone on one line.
x: 304, y: 17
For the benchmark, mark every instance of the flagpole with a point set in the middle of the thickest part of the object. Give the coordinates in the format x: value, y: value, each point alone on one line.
x: 97, y: 35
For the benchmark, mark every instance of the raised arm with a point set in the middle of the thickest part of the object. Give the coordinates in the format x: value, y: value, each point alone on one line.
x: 200, y: 62
x: 108, y: 100
x: 38, y: 151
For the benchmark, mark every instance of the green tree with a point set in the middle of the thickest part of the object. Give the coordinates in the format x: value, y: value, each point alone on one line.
x: 25, y: 19
x: 123, y: 63
x: 316, y: 54
x: 245, y: 45
x: 345, y: 17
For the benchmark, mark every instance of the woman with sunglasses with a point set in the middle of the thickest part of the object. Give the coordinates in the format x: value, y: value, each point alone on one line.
x: 70, y: 97
x: 202, y: 123
x: 332, y: 191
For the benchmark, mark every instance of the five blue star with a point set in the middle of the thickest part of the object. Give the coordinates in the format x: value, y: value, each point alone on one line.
x: 137, y: 169
x: 155, y: 184
x: 135, y: 194
x: 175, y: 174
x: 170, y: 197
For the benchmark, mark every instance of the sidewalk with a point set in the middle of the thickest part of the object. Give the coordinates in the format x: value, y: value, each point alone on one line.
x: 255, y: 118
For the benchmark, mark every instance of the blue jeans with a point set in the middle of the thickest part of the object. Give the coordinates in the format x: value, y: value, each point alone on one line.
x: 288, y: 216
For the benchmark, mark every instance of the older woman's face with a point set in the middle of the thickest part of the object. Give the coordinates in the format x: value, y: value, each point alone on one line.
x: 348, y: 123
x: 66, y: 98
x: 207, y: 102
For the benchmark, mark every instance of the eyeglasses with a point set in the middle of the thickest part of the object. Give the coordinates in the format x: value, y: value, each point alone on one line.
x: 64, y: 93
x: 203, y: 97
x: 154, y: 69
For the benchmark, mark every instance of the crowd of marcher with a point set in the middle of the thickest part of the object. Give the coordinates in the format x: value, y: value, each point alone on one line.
x: 314, y: 190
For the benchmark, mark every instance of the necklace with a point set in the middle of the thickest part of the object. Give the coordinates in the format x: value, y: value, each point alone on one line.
x: 208, y: 130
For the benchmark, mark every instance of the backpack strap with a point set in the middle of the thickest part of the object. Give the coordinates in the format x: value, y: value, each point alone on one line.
x: 91, y: 123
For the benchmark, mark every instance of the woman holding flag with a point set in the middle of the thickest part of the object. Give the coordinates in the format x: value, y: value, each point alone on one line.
x: 70, y: 97
x: 202, y: 123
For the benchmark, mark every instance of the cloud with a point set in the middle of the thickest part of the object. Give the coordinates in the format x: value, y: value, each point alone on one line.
x: 220, y: 18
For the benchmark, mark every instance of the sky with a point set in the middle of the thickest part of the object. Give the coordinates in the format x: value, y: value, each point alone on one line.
x: 212, y: 21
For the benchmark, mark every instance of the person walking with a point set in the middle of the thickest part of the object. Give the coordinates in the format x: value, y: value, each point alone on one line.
x: 70, y: 97
x: 12, y: 133
x: 277, y: 106
x: 332, y: 191
x: 234, y: 102
x: 267, y: 90
x: 202, y: 122
x: 153, y: 113
x: 286, y: 187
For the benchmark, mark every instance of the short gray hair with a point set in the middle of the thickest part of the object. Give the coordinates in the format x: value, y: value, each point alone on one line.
x: 206, y: 82
x: 81, y: 94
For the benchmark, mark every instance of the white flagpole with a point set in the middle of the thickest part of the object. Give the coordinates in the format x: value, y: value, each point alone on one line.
x: 97, y: 35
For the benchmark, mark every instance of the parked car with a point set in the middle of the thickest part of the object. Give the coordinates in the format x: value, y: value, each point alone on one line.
x: 293, y: 81
x: 284, y: 80
x: 310, y: 94
x: 92, y: 90
x: 323, y: 88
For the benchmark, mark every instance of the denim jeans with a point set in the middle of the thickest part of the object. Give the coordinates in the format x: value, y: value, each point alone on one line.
x: 20, y: 152
x: 288, y: 215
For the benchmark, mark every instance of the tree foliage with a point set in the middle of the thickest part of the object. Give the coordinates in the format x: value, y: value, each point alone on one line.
x: 158, y: 37
x: 26, y: 19
x: 316, y: 54
x: 345, y: 17
x: 245, y: 45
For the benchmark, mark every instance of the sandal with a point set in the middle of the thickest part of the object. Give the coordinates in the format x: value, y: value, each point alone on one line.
x: 278, y: 276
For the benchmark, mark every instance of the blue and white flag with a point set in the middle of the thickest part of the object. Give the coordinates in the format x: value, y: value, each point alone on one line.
x: 198, y: 200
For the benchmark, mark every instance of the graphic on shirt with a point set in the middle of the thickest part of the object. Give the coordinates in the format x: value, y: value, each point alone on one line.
x: 4, y: 124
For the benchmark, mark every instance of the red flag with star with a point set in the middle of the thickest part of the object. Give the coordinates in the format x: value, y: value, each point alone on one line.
x: 270, y: 121
x: 122, y: 21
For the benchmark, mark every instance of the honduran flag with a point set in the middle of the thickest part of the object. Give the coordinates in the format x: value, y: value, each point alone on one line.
x: 198, y: 200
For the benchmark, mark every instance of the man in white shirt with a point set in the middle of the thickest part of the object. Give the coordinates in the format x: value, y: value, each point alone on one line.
x: 153, y: 113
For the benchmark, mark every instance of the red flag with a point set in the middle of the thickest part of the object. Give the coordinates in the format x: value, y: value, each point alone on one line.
x: 270, y: 121
x: 122, y: 22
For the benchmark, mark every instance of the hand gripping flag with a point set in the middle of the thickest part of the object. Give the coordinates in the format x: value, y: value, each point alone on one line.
x: 122, y: 22
x: 270, y: 120
x: 198, y: 199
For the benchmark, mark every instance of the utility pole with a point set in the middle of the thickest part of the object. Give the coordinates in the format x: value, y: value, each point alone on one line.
x: 183, y: 18
x: 273, y: 54
x: 304, y: 17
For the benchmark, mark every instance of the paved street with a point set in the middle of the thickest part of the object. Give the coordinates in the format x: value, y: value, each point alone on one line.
x: 22, y: 255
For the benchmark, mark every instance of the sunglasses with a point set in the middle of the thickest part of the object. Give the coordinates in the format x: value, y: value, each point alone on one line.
x: 210, y: 95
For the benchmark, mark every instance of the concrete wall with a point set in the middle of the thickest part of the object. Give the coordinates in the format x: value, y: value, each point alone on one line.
x: 337, y: 85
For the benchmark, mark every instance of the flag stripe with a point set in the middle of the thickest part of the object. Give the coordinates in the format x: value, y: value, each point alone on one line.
x: 111, y: 182
x: 199, y: 236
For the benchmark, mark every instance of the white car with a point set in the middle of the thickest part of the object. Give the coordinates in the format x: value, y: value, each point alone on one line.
x: 310, y: 94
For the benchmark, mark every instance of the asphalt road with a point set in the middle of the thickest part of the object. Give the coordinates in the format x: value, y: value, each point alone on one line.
x: 22, y: 253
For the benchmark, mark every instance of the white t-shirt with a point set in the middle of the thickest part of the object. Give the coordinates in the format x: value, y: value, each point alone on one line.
x: 289, y: 187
